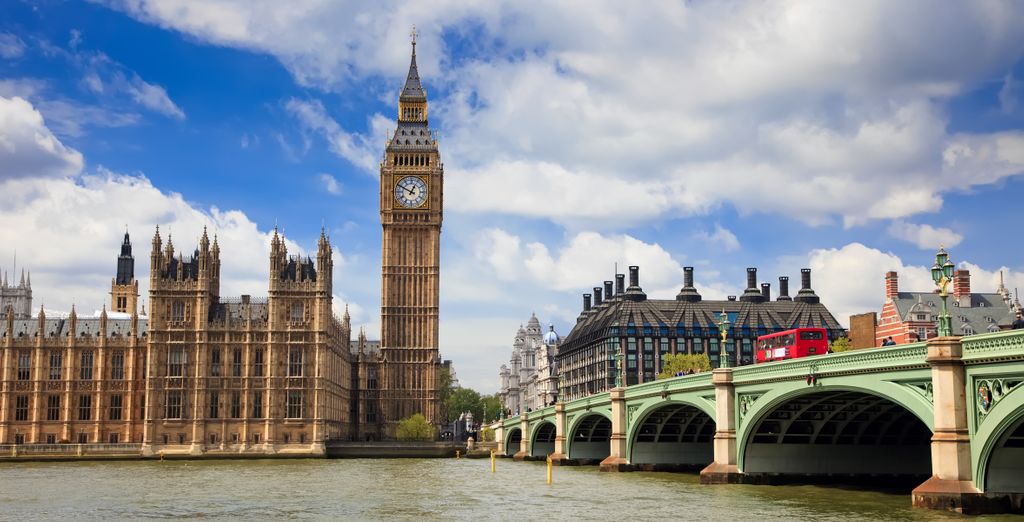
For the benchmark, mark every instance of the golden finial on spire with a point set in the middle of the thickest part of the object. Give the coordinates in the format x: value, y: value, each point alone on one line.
x: 413, y: 34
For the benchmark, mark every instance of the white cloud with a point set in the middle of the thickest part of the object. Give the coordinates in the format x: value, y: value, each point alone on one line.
x: 11, y: 46
x: 330, y: 184
x: 28, y: 148
x: 683, y: 107
x: 358, y: 149
x: 153, y: 97
x: 587, y: 259
x: 925, y: 236
x: 722, y: 238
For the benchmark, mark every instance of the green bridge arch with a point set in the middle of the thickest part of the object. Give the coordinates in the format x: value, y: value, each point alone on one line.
x: 911, y: 399
x: 573, y: 426
x: 1003, y: 416
x: 649, y: 406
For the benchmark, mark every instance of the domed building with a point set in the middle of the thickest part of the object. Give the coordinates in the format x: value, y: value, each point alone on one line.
x: 530, y: 379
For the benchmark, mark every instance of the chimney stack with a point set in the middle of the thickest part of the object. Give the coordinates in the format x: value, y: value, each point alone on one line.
x: 634, y: 292
x: 597, y: 296
x: 751, y: 294
x: 962, y: 287
x: 806, y: 294
x: 892, y: 286
x: 784, y: 289
x: 586, y: 302
x: 766, y: 291
x: 688, y: 292
x: 620, y: 284
x: 608, y: 293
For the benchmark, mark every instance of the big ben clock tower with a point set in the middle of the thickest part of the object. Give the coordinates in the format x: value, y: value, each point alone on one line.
x: 411, y: 187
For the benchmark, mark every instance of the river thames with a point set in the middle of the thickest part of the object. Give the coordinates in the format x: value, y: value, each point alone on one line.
x: 433, y: 489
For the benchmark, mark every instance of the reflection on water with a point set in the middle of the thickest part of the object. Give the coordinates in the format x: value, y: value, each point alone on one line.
x: 411, y: 489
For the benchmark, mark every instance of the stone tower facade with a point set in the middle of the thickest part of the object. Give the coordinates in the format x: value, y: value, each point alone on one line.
x: 16, y: 297
x: 411, y: 186
x: 124, y: 288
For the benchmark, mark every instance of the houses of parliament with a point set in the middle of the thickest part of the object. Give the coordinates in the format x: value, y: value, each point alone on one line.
x: 204, y: 374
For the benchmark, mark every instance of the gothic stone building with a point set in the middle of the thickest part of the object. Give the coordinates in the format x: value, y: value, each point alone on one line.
x: 206, y: 374
x: 530, y: 380
x: 624, y: 321
x: 411, y: 200
x: 202, y: 374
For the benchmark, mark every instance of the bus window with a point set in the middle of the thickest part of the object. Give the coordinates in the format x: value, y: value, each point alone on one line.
x: 811, y: 336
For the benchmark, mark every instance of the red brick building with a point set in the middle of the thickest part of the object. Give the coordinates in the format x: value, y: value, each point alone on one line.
x: 911, y: 316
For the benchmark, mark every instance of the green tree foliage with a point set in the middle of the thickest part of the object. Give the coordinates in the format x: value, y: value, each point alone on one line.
x: 680, y: 362
x: 841, y: 344
x: 415, y: 427
x: 491, y: 407
x: 445, y: 387
x: 463, y: 400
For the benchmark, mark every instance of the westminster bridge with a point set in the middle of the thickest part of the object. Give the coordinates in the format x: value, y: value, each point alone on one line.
x: 950, y: 408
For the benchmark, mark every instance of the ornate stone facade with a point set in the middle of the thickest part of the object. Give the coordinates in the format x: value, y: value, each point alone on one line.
x: 205, y: 374
x: 202, y: 374
x: 411, y: 200
x: 17, y: 297
x: 530, y: 380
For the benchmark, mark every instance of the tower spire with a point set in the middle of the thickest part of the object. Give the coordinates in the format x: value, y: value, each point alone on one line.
x: 413, y: 89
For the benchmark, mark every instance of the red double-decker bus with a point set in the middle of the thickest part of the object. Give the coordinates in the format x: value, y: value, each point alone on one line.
x: 792, y: 344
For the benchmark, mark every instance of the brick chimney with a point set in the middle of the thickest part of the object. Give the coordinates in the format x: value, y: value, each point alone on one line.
x: 962, y: 287
x: 892, y: 287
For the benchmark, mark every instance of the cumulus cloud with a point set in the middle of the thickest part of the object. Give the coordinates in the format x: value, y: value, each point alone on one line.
x: 925, y: 236
x: 587, y: 259
x: 28, y: 148
x: 11, y: 46
x: 744, y: 104
x: 43, y: 197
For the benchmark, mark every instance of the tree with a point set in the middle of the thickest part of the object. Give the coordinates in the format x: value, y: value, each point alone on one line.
x: 415, y: 427
x: 491, y: 407
x: 841, y: 344
x: 445, y: 387
x: 684, y: 362
x: 463, y: 400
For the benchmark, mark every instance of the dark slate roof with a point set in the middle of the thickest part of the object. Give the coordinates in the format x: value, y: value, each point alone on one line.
x: 771, y: 315
x: 239, y: 310
x: 413, y: 89
x: 987, y: 311
x: 412, y: 136
x: 84, y: 327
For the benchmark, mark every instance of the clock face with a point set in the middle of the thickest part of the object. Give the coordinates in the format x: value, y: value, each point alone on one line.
x: 411, y: 192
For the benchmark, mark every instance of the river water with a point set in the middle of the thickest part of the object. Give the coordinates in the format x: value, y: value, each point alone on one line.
x: 431, y: 489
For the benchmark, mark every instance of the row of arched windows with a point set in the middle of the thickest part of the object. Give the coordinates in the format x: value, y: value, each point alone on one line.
x: 412, y: 160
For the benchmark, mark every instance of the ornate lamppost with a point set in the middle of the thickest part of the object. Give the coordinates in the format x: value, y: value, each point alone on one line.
x: 942, y: 274
x: 723, y: 330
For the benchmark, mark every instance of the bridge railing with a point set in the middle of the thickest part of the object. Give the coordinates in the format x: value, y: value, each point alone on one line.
x: 995, y: 345
x: 683, y: 383
x: 904, y: 356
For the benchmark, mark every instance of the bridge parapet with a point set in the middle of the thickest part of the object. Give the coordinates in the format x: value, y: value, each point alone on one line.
x: 993, y: 347
x: 901, y: 357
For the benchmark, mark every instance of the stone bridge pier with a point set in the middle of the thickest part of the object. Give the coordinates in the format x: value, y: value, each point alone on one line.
x: 951, y: 486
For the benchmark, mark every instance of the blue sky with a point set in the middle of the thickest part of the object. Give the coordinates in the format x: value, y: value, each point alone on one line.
x: 851, y: 139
